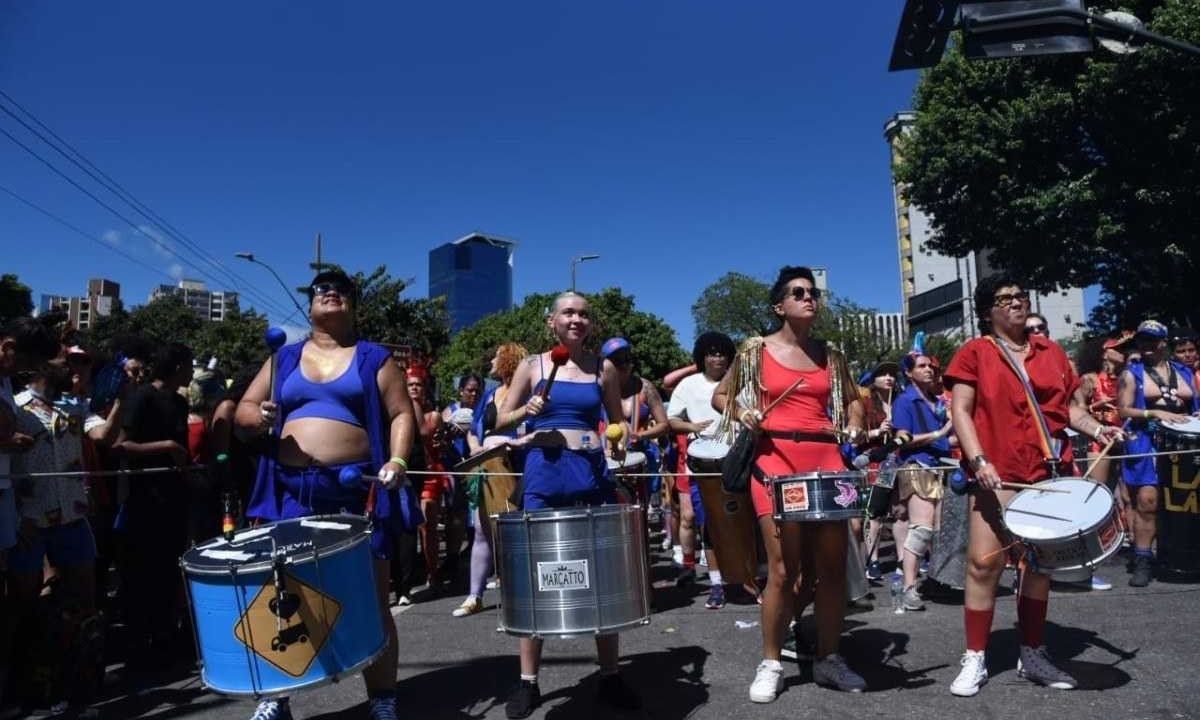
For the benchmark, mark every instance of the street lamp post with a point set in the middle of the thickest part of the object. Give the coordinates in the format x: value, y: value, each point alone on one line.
x: 575, y: 261
x: 249, y: 257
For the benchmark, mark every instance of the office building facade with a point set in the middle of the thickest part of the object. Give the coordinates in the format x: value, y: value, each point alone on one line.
x: 102, y: 297
x: 209, y: 305
x: 475, y: 275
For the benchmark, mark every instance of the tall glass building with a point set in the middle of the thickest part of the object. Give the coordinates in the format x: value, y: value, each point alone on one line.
x: 475, y: 275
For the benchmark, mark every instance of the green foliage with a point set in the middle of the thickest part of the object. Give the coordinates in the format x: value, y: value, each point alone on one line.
x: 655, y: 345
x: 16, y: 299
x: 1070, y: 170
x: 386, y: 317
x: 736, y: 305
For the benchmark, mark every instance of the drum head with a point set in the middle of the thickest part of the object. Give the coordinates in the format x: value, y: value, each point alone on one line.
x: 1037, y: 515
x: 1190, y: 427
x: 633, y: 460
x: 707, y: 449
x: 252, y: 549
x: 477, y: 460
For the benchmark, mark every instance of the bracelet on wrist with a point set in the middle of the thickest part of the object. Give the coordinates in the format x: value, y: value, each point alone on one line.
x: 1146, y: 414
x: 399, y: 461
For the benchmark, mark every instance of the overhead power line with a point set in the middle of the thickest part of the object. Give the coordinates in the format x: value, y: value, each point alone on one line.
x: 77, y: 158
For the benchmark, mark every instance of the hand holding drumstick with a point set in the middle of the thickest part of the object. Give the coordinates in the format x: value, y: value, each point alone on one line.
x: 752, y: 419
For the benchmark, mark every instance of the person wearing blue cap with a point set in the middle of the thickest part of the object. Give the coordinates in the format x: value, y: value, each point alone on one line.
x: 1154, y: 389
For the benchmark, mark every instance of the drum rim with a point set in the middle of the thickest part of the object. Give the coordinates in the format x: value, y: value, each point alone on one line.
x: 640, y: 622
x: 771, y: 479
x: 337, y: 677
x: 700, y: 443
x: 1074, y: 533
x: 625, y: 463
x: 567, y: 513
x: 352, y: 539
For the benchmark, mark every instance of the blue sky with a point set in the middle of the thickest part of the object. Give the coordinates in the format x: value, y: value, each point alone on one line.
x: 677, y: 140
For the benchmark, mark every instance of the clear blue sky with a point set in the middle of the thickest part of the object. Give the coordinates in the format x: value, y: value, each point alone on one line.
x: 677, y: 140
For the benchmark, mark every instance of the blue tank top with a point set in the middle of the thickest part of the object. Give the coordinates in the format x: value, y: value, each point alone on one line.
x: 339, y: 399
x: 572, y: 406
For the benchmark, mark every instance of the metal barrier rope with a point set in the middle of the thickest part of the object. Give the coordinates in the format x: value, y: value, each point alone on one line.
x: 468, y: 473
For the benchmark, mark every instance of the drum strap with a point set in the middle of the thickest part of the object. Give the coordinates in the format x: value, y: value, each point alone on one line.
x: 1051, y: 446
x: 795, y: 436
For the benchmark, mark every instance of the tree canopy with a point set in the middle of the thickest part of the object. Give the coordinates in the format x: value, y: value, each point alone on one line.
x: 16, y: 299
x: 655, y: 346
x: 1070, y: 170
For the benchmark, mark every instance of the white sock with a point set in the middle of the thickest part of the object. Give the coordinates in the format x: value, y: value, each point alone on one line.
x: 714, y: 577
x: 773, y: 664
x: 530, y: 678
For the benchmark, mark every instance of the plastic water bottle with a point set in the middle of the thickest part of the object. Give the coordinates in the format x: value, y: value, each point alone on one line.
x: 585, y: 441
x: 887, y: 471
x: 897, y: 588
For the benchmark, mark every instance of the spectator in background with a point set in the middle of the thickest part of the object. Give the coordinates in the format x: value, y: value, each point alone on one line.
x: 1183, y: 347
x: 1035, y: 324
x: 155, y: 435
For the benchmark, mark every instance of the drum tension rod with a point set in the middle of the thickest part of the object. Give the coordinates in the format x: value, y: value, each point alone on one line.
x: 285, y: 604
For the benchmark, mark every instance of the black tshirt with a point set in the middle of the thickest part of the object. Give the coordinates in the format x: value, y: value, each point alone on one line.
x: 151, y: 415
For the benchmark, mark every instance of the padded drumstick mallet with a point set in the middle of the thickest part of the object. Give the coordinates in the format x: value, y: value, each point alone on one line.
x: 275, y: 338
x: 559, y: 355
x: 351, y: 476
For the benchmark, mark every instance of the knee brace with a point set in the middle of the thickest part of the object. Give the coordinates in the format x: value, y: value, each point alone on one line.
x: 919, y: 539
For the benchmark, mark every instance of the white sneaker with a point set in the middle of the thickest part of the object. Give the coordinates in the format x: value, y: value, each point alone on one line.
x: 767, y: 681
x: 677, y: 555
x: 273, y: 709
x: 1035, y: 665
x: 703, y: 559
x: 973, y: 675
x: 666, y: 543
x: 832, y: 671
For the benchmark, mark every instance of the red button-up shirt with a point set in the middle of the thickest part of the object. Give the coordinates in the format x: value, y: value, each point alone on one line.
x: 1004, y: 422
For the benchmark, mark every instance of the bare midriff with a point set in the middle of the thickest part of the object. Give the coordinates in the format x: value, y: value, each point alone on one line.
x: 318, y: 441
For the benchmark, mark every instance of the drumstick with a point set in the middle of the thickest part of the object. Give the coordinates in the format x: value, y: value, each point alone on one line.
x: 1020, y: 486
x: 785, y: 393
x: 887, y: 413
x: 1088, y: 473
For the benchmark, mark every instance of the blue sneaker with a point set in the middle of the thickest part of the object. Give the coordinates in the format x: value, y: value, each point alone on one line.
x: 382, y: 708
x: 1099, y: 583
x: 874, y: 572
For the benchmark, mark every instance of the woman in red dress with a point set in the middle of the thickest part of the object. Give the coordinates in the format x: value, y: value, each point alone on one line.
x: 801, y: 434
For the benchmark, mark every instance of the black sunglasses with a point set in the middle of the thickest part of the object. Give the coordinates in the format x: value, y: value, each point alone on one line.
x: 324, y: 288
x: 800, y: 292
x: 1037, y: 329
x: 1006, y: 299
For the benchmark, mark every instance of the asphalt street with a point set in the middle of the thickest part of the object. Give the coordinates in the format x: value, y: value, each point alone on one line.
x: 1134, y: 652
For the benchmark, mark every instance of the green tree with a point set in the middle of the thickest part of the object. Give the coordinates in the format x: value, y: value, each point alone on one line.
x: 655, y: 344
x: 737, y: 305
x: 1070, y: 170
x: 235, y: 342
x: 16, y: 299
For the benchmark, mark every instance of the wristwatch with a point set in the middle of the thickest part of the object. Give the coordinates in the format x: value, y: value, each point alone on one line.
x: 978, y: 461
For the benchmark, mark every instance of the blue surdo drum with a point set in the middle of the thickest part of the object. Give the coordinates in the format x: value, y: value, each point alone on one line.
x: 284, y: 606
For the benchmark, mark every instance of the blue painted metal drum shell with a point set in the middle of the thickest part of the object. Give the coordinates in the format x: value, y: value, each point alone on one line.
x: 336, y: 630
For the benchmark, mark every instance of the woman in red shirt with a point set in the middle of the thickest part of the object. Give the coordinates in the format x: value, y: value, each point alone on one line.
x: 1001, y: 441
x: 798, y: 436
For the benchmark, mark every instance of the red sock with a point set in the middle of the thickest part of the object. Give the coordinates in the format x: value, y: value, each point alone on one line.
x: 689, y: 559
x: 979, y: 626
x: 1031, y: 618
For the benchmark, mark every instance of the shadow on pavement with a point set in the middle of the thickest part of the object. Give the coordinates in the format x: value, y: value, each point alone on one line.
x: 670, y: 683
x: 877, y: 654
x: 1064, y: 643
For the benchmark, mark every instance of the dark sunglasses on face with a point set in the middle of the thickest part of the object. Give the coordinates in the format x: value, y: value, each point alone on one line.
x: 1036, y: 329
x: 800, y: 292
x: 622, y: 359
x: 1006, y: 299
x: 327, y: 287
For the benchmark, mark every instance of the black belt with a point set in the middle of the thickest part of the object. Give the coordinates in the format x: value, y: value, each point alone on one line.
x: 795, y: 436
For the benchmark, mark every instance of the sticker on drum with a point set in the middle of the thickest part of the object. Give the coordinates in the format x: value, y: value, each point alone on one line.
x: 795, y: 496
x: 1074, y: 527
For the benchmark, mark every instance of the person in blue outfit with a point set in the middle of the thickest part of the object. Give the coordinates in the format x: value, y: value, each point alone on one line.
x: 339, y: 402
x: 565, y: 464
x: 919, y: 414
x: 1153, y: 389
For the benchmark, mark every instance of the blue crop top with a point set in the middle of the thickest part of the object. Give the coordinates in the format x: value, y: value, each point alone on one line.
x: 339, y: 399
x: 572, y: 406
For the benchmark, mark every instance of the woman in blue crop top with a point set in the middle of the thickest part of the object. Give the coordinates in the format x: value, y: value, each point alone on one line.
x: 340, y: 402
x: 565, y: 465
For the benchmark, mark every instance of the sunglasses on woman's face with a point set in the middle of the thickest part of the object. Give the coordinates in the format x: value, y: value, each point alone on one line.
x: 799, y: 292
x: 325, y: 288
x: 1036, y: 329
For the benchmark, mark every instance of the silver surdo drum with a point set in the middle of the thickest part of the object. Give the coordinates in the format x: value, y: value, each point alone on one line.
x: 573, y: 571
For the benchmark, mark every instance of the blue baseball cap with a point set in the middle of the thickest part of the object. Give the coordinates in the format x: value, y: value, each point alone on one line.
x: 612, y: 346
x: 1153, y: 328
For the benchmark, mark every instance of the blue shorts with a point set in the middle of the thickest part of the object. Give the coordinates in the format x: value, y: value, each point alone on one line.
x: 697, y: 502
x: 316, y: 490
x: 69, y: 545
x: 560, y: 477
x: 8, y: 518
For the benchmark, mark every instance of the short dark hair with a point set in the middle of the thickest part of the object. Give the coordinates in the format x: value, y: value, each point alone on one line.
x: 1182, y: 336
x: 462, y: 381
x: 168, y: 359
x: 333, y: 276
x: 33, y: 338
x: 985, y: 297
x: 1089, y: 357
x: 710, y: 340
x: 788, y: 273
